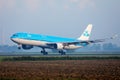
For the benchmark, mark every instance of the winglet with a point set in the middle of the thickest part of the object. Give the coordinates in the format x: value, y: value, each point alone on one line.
x: 86, y: 34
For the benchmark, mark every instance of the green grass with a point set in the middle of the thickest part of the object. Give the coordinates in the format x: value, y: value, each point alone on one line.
x: 3, y: 57
x: 46, y: 58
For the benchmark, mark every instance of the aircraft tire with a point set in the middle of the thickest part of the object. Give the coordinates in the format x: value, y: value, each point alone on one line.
x: 19, y: 47
x: 62, y: 52
x: 44, y: 53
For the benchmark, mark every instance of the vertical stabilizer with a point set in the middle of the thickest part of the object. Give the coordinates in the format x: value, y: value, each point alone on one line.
x: 86, y: 34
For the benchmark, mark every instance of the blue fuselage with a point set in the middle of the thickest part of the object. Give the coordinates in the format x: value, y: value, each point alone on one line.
x: 39, y: 37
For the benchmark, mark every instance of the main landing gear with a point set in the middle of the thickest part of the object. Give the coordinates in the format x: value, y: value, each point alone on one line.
x: 44, y: 52
x: 62, y: 52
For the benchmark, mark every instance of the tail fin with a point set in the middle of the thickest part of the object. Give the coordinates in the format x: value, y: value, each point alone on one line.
x: 86, y: 34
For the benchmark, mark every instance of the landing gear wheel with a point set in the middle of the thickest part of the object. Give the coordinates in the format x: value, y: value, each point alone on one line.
x: 62, y: 52
x: 19, y: 47
x: 44, y: 52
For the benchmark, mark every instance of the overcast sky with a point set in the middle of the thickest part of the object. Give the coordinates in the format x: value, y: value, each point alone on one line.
x: 66, y: 18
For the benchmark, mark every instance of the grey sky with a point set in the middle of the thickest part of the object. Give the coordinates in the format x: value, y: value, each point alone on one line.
x: 66, y: 18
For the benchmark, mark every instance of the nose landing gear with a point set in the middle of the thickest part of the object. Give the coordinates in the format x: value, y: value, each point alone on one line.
x: 19, y: 46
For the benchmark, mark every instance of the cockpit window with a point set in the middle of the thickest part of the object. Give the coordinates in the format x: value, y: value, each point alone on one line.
x: 15, y: 35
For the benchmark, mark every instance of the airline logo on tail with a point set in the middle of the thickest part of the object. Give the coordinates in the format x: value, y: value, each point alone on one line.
x: 86, y: 34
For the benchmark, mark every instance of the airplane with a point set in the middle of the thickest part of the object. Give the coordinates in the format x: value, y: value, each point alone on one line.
x: 28, y: 41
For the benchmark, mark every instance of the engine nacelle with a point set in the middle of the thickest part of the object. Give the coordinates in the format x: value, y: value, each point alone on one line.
x: 27, y: 47
x: 58, y: 46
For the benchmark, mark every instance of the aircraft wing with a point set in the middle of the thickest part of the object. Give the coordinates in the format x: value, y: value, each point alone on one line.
x: 94, y: 41
x: 87, y: 41
x: 79, y: 42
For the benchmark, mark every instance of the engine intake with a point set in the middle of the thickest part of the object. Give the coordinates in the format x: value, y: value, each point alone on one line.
x: 58, y: 46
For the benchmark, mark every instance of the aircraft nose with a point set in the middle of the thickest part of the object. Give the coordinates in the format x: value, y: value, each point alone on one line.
x: 14, y: 40
x: 13, y: 37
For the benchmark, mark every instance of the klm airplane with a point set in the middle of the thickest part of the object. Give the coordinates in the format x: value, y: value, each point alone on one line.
x: 27, y: 41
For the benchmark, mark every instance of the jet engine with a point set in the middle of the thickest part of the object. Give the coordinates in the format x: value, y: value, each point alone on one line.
x: 27, y: 47
x: 58, y: 46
